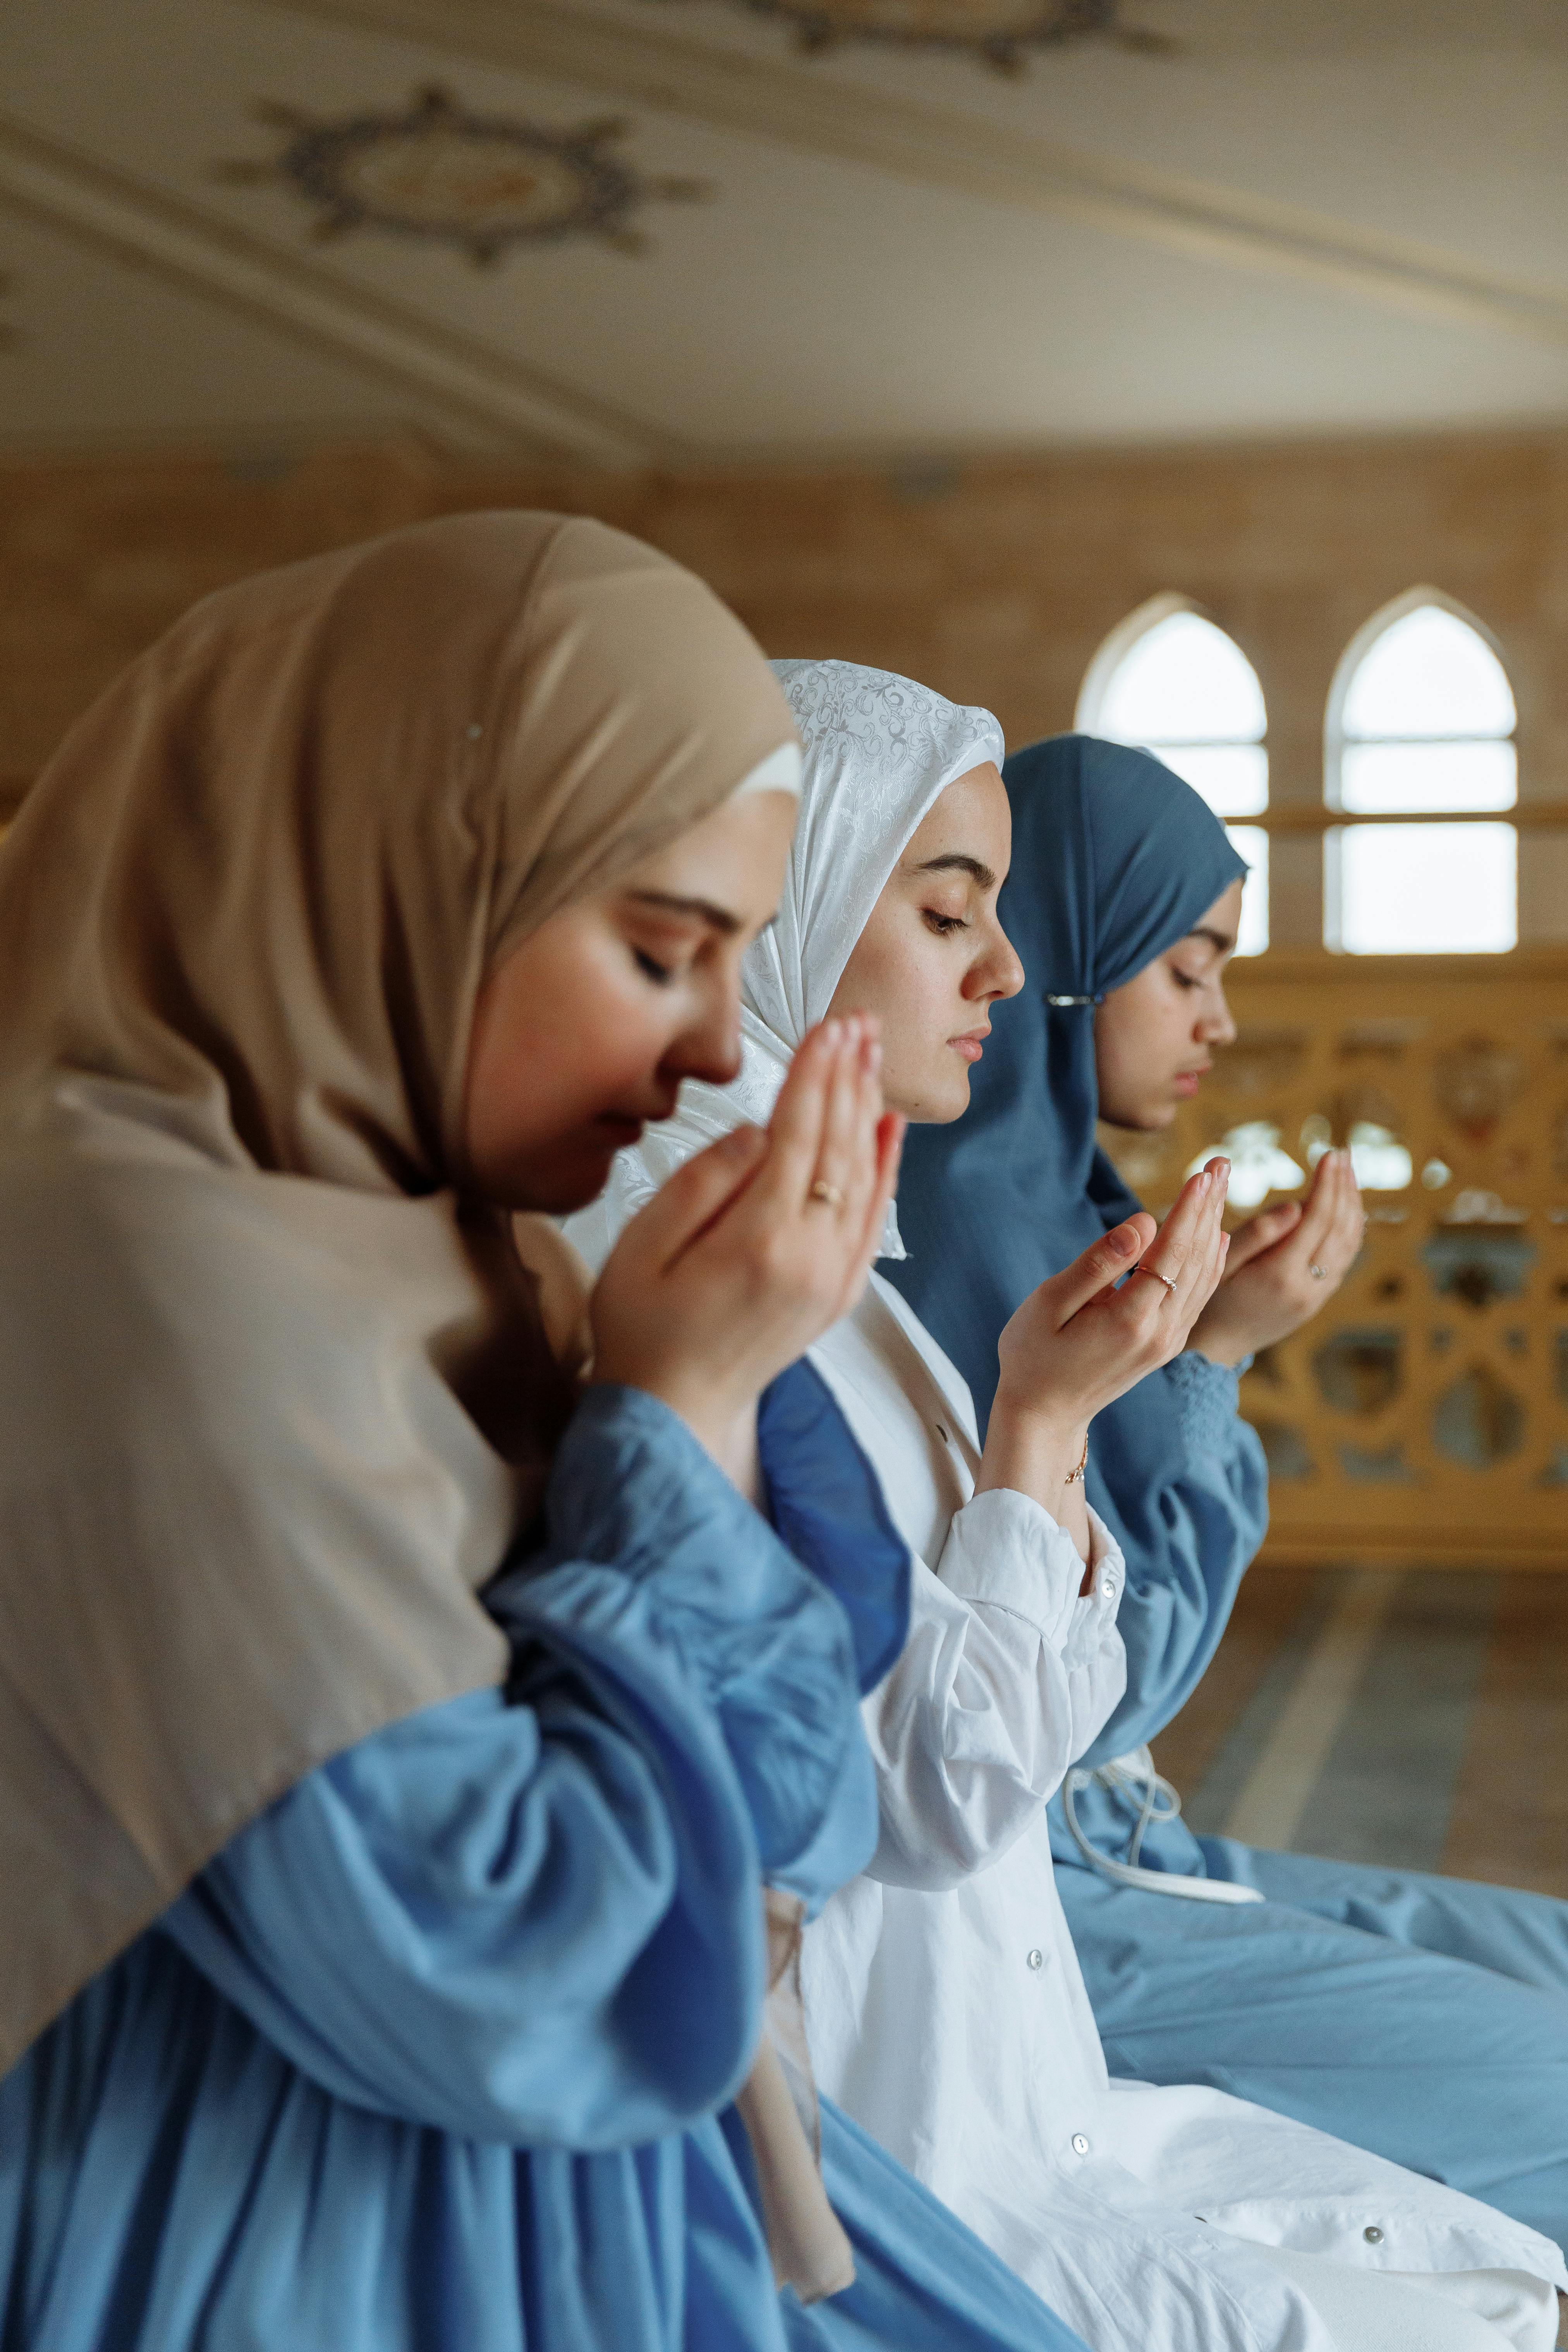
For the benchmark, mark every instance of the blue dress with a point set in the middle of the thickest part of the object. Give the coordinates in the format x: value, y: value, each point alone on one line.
x: 1423, y: 2018
x: 435, y: 2056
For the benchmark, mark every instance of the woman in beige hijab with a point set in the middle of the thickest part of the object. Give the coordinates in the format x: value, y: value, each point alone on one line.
x: 375, y: 1958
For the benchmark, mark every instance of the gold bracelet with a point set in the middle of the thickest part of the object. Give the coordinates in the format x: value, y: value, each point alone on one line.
x: 1074, y: 1476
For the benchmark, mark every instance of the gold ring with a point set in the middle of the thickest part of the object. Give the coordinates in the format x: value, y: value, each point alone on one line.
x: 1157, y: 1274
x: 823, y: 1191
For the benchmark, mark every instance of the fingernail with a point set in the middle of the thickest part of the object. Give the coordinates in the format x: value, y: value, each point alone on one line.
x: 1122, y: 1240
x: 832, y: 1031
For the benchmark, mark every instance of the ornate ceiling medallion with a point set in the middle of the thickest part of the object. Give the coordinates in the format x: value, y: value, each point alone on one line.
x: 481, y: 183
x: 999, y: 31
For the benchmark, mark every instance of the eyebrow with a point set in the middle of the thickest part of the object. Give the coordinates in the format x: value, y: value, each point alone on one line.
x: 1220, y: 940
x: 959, y: 863
x: 704, y: 909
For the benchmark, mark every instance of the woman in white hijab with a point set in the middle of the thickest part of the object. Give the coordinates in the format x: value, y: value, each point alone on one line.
x: 943, y: 2000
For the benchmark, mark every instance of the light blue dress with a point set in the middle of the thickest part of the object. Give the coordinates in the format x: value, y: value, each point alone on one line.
x: 1424, y: 2018
x: 435, y: 2056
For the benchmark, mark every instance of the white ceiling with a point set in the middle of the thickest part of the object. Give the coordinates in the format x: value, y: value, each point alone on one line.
x: 1335, y: 215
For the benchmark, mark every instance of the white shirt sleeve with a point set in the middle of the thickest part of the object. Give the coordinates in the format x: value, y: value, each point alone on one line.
x: 1007, y: 1675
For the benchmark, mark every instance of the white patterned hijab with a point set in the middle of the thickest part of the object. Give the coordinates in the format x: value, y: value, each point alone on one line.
x: 879, y: 751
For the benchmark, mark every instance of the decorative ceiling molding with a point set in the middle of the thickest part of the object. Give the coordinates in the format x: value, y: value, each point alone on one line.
x: 452, y: 373
x: 483, y: 182
x: 938, y: 146
x: 1001, y: 33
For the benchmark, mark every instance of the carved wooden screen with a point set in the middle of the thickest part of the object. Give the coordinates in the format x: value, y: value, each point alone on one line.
x: 1424, y: 1415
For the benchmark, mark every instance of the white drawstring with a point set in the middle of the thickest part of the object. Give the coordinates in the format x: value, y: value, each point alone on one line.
x: 1129, y: 1774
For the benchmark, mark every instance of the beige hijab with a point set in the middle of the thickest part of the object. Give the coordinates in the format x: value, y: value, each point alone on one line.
x: 274, y: 1396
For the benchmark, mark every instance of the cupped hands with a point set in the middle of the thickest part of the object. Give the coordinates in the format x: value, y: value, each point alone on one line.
x: 1087, y: 1335
x: 1283, y: 1265
x: 756, y: 1247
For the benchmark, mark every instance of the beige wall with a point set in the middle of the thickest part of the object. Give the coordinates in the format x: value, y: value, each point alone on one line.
x: 994, y: 581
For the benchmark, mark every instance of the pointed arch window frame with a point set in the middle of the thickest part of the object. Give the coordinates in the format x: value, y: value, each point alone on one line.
x: 1130, y: 633
x: 1337, y: 740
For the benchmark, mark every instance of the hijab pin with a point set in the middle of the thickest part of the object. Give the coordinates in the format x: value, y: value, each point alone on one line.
x: 1075, y: 1000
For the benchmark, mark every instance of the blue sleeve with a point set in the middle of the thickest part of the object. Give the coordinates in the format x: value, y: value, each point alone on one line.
x: 535, y: 1916
x: 1204, y: 1528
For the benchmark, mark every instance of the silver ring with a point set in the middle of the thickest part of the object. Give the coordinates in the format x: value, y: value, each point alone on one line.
x: 1319, y: 1273
x: 1157, y: 1274
x: 823, y: 1191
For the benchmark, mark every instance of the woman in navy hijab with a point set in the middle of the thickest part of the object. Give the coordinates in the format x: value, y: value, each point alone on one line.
x: 1425, y: 2019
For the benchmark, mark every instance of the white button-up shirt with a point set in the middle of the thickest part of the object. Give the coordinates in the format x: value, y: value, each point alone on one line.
x: 944, y: 2005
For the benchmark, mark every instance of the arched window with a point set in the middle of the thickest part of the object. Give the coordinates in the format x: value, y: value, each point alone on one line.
x: 1171, y: 681
x: 1420, y: 723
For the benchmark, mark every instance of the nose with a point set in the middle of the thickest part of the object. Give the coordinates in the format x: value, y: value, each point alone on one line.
x: 1216, y: 1027
x: 997, y: 973
x: 708, y: 1047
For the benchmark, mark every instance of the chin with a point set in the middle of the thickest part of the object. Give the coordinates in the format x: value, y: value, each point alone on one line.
x: 942, y: 1107
x: 570, y: 1182
x: 1148, y: 1119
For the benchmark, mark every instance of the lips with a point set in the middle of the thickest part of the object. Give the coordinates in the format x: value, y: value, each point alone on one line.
x: 971, y: 1045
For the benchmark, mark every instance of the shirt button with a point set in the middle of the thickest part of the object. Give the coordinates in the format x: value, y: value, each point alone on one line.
x: 1372, y: 2235
x: 1036, y: 1958
x: 1081, y: 2144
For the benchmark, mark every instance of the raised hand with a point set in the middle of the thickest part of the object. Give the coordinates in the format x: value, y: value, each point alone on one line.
x: 1284, y: 1266
x: 756, y: 1247
x: 1079, y: 1341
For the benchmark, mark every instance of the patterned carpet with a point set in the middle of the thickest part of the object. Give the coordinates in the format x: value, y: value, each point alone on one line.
x: 1409, y: 1716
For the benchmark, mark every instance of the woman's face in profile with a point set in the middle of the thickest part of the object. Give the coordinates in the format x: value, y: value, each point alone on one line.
x: 582, y: 1034
x: 933, y: 959
x: 1155, y: 1037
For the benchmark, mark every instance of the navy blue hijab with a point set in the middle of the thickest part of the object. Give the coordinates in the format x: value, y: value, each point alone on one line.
x: 1114, y: 859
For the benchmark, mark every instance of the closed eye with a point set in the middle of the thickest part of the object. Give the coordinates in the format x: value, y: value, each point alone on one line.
x: 659, y: 973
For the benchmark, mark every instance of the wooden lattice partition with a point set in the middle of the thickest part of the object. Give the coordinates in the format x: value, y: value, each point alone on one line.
x: 1424, y: 1415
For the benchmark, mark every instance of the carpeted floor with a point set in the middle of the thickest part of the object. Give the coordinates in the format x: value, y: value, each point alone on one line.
x: 1416, y: 1717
